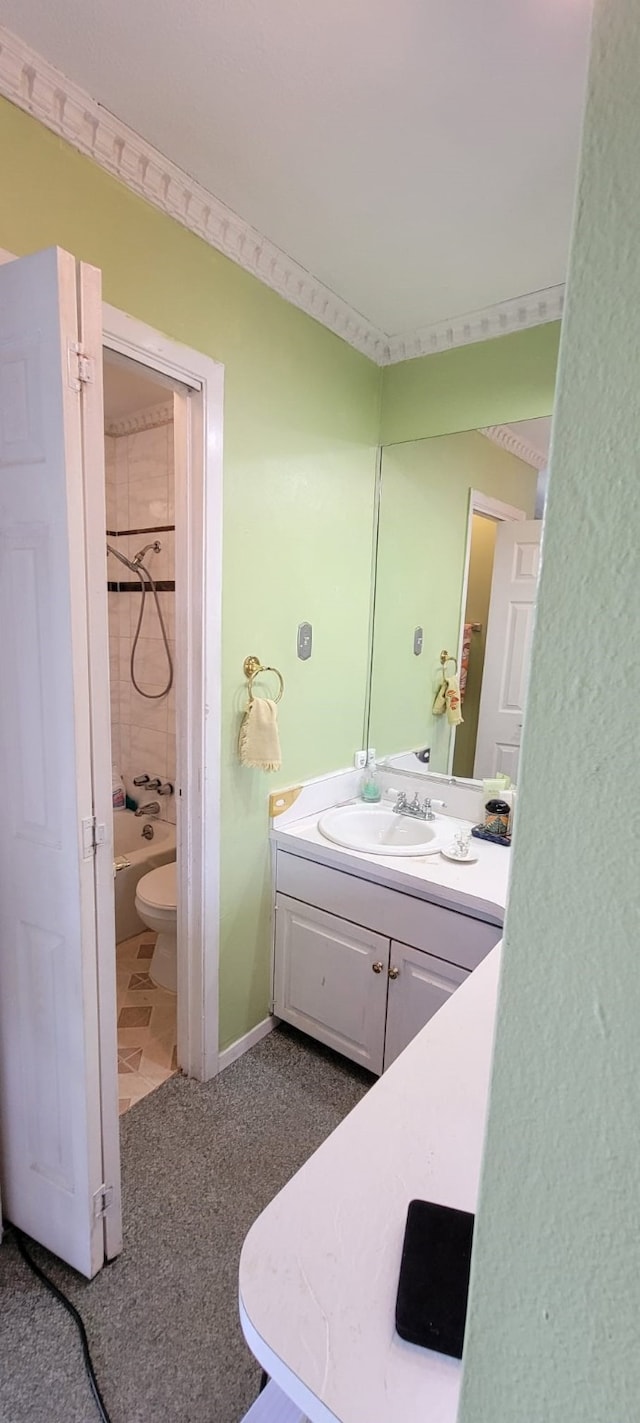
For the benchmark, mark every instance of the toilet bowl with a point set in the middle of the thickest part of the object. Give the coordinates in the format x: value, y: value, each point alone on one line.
x: 156, y: 903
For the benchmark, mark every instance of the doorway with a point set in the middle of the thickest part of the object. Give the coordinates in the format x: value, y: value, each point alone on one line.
x: 145, y: 676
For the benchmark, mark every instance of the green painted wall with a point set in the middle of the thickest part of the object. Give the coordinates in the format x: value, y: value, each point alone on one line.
x: 424, y: 515
x: 302, y: 419
x: 302, y: 416
x: 555, y: 1292
x: 483, y: 544
x: 490, y: 383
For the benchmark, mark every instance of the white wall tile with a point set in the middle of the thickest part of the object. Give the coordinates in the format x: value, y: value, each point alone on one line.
x: 124, y: 702
x: 150, y: 622
x: 122, y: 461
x: 151, y: 665
x: 153, y: 715
x: 148, y: 752
x: 111, y: 503
x: 122, y: 506
x: 148, y: 504
x: 124, y: 656
x: 124, y: 746
x: 168, y: 609
x: 146, y: 448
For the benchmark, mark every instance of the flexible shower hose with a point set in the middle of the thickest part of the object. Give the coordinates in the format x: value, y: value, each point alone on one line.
x: 152, y: 696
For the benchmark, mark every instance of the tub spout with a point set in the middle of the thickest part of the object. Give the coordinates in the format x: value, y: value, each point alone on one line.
x: 151, y: 808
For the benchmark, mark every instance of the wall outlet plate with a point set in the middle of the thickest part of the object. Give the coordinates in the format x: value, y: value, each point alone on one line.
x: 359, y: 760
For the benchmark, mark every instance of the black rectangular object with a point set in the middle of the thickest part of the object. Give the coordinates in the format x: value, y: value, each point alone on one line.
x: 431, y: 1306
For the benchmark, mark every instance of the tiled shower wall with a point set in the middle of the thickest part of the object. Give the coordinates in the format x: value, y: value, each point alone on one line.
x: 140, y: 496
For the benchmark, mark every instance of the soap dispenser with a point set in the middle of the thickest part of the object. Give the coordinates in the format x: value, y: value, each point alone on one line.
x: 370, y: 788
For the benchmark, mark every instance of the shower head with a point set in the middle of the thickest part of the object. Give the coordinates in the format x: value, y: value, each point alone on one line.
x: 138, y: 557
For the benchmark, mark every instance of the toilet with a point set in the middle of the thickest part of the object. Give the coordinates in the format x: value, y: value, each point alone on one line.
x: 156, y: 903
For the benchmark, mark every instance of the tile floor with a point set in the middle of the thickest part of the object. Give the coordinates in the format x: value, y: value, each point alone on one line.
x: 146, y: 1023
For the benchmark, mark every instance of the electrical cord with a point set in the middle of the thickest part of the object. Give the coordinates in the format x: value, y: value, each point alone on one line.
x: 76, y: 1317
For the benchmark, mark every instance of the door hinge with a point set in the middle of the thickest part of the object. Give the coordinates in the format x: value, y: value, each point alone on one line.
x: 81, y: 367
x: 93, y: 835
x: 102, y: 1201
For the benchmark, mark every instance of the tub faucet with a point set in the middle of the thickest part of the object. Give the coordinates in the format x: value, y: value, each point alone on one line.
x: 151, y: 808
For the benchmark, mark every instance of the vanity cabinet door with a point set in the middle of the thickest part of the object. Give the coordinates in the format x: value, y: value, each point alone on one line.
x: 331, y: 980
x: 418, y: 986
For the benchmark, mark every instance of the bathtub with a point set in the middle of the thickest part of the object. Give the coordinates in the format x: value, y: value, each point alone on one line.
x: 139, y: 856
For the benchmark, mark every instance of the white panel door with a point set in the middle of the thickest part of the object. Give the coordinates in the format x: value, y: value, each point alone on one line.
x: 331, y: 980
x: 508, y: 648
x: 50, y: 1091
x: 418, y: 986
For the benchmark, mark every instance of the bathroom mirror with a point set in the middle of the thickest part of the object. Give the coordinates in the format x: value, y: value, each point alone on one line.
x: 458, y: 547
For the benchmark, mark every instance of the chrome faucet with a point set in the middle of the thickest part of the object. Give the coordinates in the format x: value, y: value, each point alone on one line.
x: 151, y: 808
x: 419, y: 810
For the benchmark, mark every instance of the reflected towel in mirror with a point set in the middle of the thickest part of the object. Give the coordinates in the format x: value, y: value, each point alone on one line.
x: 452, y: 698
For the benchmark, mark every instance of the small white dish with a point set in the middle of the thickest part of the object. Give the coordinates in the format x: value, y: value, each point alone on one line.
x: 452, y: 853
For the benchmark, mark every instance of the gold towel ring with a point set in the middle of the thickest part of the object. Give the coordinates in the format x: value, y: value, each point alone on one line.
x: 252, y: 667
x: 447, y: 657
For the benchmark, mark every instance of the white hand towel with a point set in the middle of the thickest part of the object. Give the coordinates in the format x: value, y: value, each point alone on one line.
x: 259, y: 745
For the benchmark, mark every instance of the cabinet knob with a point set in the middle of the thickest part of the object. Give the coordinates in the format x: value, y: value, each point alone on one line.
x: 394, y: 972
x: 377, y: 967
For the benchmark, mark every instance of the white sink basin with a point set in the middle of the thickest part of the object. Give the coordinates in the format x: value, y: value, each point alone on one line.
x: 376, y: 830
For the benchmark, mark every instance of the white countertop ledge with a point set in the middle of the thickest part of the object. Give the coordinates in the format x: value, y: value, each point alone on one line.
x: 478, y: 889
x: 319, y: 1268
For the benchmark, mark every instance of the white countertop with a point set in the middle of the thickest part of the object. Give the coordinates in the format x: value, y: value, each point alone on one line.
x: 319, y: 1268
x: 479, y: 888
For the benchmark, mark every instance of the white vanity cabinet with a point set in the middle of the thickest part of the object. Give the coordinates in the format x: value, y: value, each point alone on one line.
x: 418, y: 987
x: 331, y: 980
x: 363, y: 967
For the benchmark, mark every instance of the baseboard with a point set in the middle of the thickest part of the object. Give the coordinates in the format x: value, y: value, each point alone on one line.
x: 241, y: 1045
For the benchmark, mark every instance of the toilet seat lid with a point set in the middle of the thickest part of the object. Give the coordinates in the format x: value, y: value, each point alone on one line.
x: 158, y: 887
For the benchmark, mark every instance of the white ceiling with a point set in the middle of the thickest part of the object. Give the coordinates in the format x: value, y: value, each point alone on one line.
x: 418, y: 157
x: 536, y: 433
x: 127, y: 390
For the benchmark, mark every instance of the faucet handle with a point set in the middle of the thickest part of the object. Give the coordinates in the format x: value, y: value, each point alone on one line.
x: 165, y: 788
x: 427, y: 807
x: 401, y: 800
x: 153, y: 785
x: 141, y: 780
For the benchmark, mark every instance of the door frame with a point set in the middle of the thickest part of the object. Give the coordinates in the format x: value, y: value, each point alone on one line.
x: 198, y: 682
x: 479, y: 503
x: 198, y: 679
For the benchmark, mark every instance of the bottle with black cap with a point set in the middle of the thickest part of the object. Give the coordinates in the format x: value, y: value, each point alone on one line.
x: 497, y: 814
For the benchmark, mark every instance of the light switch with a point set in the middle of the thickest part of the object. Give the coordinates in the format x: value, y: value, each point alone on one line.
x: 305, y: 641
x: 417, y: 641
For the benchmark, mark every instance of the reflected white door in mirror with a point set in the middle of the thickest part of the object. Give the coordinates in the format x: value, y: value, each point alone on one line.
x: 508, y: 648
x: 457, y: 558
